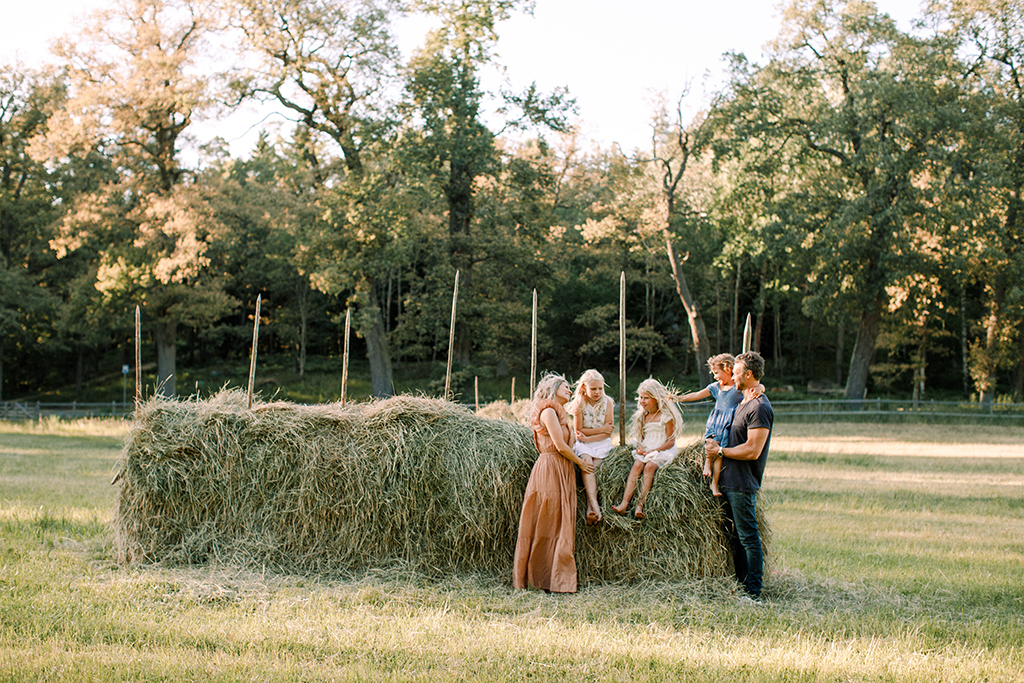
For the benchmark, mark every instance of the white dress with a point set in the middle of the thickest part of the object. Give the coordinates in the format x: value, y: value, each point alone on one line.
x: 594, y: 416
x: 654, y: 436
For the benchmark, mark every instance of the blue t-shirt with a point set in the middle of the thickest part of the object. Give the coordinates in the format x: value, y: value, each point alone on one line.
x: 745, y: 475
x: 726, y: 400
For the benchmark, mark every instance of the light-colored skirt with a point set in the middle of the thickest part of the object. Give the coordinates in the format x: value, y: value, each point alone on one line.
x: 659, y: 458
x: 595, y: 449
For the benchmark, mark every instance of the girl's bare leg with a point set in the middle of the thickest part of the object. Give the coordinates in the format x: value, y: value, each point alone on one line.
x: 634, y: 474
x: 716, y: 470
x: 707, y: 462
x: 649, y: 471
x: 590, y: 485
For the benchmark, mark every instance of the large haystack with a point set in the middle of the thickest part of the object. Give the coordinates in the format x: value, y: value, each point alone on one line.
x: 412, y: 481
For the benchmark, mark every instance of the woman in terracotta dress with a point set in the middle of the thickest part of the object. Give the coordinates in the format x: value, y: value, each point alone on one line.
x: 545, y: 551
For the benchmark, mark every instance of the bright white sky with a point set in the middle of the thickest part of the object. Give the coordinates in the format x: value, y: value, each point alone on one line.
x: 614, y: 61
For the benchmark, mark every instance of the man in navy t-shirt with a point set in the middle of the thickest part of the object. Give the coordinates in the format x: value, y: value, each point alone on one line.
x: 743, y: 464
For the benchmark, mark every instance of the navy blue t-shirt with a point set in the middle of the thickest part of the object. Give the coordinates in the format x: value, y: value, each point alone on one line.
x: 745, y: 475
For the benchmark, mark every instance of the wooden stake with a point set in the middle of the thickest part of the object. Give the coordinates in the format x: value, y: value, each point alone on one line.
x: 476, y: 393
x: 451, y: 340
x: 533, y: 347
x: 622, y: 359
x: 512, y: 396
x: 138, y: 357
x: 344, y: 356
x: 255, y: 338
x: 747, y: 335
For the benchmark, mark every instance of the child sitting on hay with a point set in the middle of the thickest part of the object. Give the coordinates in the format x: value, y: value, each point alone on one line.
x: 593, y: 414
x: 654, y: 429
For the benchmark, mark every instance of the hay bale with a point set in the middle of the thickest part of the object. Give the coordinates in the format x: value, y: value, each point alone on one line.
x: 518, y: 412
x: 681, y: 537
x: 415, y: 482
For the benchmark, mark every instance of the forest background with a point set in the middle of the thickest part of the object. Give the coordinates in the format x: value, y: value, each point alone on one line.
x: 857, y: 190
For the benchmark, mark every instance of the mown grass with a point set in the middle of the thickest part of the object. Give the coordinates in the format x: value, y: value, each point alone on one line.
x: 896, y: 557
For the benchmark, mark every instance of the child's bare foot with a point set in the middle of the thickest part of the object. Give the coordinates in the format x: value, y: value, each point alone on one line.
x: 714, y: 490
x: 620, y: 509
x: 639, y: 514
x: 707, y: 469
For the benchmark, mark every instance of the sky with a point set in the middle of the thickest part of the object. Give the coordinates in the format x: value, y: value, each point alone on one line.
x: 616, y: 62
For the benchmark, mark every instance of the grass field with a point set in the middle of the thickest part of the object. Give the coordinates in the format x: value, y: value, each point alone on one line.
x: 897, y: 556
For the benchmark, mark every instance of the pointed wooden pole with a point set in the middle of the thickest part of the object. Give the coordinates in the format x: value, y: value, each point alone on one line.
x: 451, y: 340
x: 476, y: 393
x: 622, y: 359
x: 533, y: 347
x: 344, y: 356
x: 138, y: 357
x: 255, y: 345
x: 747, y: 335
x: 512, y: 396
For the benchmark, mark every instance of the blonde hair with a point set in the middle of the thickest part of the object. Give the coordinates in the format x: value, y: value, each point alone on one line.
x: 577, y: 397
x: 660, y: 393
x: 547, y: 386
x: 721, y: 360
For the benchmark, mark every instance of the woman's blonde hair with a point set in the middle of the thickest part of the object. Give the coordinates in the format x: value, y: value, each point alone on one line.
x: 547, y: 386
x: 577, y: 397
x: 660, y: 393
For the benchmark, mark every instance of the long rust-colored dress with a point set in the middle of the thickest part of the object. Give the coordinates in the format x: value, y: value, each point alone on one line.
x: 545, y: 551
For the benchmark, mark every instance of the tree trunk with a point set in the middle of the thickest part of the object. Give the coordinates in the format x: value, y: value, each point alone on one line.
x: 372, y: 330
x: 762, y: 302
x: 166, y: 353
x: 965, y: 368
x: 863, y: 350
x: 79, y: 363
x: 303, y: 300
x: 697, y: 332
x: 735, y: 321
x: 1018, y: 376
x: 919, y: 366
x: 986, y: 380
x: 840, y: 351
x: 987, y: 365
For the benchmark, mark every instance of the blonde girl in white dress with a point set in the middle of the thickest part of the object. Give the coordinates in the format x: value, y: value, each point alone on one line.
x: 653, y: 430
x: 593, y: 414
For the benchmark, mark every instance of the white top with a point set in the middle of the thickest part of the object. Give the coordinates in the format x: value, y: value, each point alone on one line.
x: 655, y: 435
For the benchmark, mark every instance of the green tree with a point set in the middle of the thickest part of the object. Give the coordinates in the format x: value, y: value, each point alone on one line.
x: 862, y: 114
x: 135, y: 88
x: 984, y: 203
x: 331, y: 64
x: 27, y: 206
x: 453, y: 141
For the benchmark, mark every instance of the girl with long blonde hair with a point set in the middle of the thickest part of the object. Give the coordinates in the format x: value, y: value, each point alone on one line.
x: 653, y: 431
x: 593, y: 414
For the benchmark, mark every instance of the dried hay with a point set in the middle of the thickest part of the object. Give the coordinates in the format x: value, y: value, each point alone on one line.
x: 518, y: 412
x: 412, y: 482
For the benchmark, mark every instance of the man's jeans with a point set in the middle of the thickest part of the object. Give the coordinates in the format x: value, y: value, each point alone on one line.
x: 741, y: 510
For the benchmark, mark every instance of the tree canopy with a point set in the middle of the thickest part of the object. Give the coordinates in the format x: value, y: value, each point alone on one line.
x: 858, y: 192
